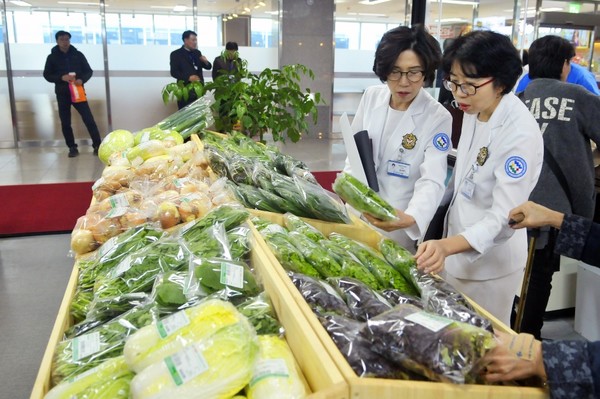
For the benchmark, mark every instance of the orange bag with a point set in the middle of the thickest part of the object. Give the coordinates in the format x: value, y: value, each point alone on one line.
x: 77, y: 93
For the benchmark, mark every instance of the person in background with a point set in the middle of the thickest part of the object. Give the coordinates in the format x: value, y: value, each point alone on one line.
x: 227, y: 62
x: 498, y: 163
x: 187, y: 63
x: 571, y: 369
x: 66, y: 65
x: 409, y: 130
x: 567, y: 115
x: 445, y: 95
x: 578, y: 75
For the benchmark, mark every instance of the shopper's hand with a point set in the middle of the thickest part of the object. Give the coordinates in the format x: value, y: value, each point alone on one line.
x: 79, y: 82
x: 534, y: 215
x: 67, y: 78
x: 431, y: 256
x: 204, y: 59
x: 403, y: 221
x: 503, y: 364
x: 194, y: 78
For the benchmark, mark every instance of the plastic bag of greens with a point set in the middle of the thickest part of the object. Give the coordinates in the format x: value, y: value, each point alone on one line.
x: 357, y: 350
x: 240, y: 169
x: 396, y: 297
x: 274, y: 374
x: 351, y: 266
x: 363, y: 302
x: 228, y: 215
x: 362, y: 198
x: 80, y: 304
x: 401, y: 259
x: 316, y: 255
x: 170, y: 290
x: 294, y: 223
x: 212, y: 275
x: 239, y: 242
x: 74, y: 387
x: 104, y: 309
x: 439, y: 348
x: 260, y: 313
x: 262, y: 176
x: 320, y: 296
x: 288, y: 254
x: 211, y: 243
x: 252, y: 197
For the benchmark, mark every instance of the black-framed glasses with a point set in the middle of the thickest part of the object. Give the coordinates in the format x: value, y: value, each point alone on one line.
x: 466, y: 88
x: 412, y: 76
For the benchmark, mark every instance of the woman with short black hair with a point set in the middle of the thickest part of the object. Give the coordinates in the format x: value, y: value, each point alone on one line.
x: 498, y: 163
x: 409, y: 129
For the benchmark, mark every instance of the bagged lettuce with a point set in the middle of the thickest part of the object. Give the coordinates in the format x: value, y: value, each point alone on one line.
x: 115, y: 388
x: 275, y: 375
x: 362, y: 198
x: 215, y: 366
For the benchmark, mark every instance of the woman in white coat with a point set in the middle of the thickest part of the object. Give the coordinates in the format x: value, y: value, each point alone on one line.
x: 498, y: 162
x: 409, y: 130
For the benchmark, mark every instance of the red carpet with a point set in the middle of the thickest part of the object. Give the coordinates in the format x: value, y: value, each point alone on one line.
x: 43, y: 208
x: 50, y: 208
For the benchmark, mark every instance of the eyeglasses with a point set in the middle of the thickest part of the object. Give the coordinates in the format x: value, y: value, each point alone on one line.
x: 412, y: 76
x: 466, y: 88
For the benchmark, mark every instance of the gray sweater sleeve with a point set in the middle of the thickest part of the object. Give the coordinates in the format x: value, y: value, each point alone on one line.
x: 573, y: 236
x: 568, y: 369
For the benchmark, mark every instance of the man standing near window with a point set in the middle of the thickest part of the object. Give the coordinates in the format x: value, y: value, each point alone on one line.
x: 187, y: 63
x: 66, y: 66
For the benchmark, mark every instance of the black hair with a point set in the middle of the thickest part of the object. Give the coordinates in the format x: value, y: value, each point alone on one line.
x: 547, y: 56
x: 485, y: 54
x: 61, y: 33
x: 525, y: 57
x: 403, y: 38
x: 187, y: 34
x: 231, y: 46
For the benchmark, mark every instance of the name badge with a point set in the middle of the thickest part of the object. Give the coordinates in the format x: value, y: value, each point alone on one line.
x: 397, y: 168
x: 468, y: 188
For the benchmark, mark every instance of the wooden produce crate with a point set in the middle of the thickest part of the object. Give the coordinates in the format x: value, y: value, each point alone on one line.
x: 322, y: 376
x: 379, y: 388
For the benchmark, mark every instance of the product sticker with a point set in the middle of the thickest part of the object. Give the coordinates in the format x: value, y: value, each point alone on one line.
x: 468, y: 188
x: 186, y: 364
x: 515, y: 167
x: 118, y: 200
x: 190, y: 197
x: 116, y: 212
x: 429, y: 321
x: 232, y: 275
x: 397, y: 168
x: 145, y: 137
x: 171, y: 324
x: 80, y: 376
x: 441, y: 141
x: 86, y: 345
x: 97, y: 183
x: 122, y: 267
x: 107, y: 247
x: 181, y: 182
x: 269, y: 368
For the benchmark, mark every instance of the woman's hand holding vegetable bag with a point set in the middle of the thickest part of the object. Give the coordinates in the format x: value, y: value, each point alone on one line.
x: 402, y: 221
x: 432, y: 254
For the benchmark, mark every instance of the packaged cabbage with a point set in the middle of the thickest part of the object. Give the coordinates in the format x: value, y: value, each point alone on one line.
x: 115, y: 388
x: 275, y: 375
x: 215, y: 366
x: 115, y: 141
x: 153, y: 343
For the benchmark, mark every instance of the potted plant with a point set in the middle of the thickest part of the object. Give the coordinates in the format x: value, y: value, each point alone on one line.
x: 271, y: 101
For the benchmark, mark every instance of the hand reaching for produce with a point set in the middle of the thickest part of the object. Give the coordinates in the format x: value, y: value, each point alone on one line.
x: 514, y: 358
x: 534, y: 215
x: 403, y: 221
x: 431, y: 254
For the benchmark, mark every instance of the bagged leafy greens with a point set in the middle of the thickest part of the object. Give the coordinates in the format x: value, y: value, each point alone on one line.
x: 215, y: 274
x: 363, y: 302
x: 362, y: 198
x: 287, y: 254
x: 436, y: 347
x: 294, y: 223
x: 351, y: 266
x: 401, y: 259
x: 395, y: 297
x: 320, y: 296
x: 316, y: 255
x: 261, y: 315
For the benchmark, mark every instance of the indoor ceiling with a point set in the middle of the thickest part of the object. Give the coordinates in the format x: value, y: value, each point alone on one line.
x: 360, y: 10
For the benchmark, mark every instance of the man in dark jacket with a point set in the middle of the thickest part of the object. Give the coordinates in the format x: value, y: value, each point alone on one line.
x: 66, y: 65
x: 187, y: 63
x: 227, y: 61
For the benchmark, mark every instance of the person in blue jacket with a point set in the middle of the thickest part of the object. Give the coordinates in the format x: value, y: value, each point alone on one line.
x: 578, y: 75
x: 571, y: 369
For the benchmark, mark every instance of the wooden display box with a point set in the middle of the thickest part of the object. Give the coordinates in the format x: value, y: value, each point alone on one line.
x: 370, y: 388
x: 324, y: 379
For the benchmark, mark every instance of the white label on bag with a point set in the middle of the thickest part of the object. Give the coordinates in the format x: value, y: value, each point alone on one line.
x: 269, y: 368
x: 181, y: 182
x: 107, y: 246
x: 171, y: 324
x: 145, y: 137
x: 232, y: 275
x: 97, y: 183
x: 116, y: 212
x: 86, y: 345
x: 429, y: 321
x: 118, y: 200
x: 186, y: 364
x: 122, y: 267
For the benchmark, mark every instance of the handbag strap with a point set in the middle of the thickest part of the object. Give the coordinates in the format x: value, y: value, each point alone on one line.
x: 560, y: 176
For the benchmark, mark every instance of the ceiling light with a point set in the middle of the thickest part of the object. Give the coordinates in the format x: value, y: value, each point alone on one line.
x: 20, y: 3
x: 80, y: 3
x: 247, y: 9
x: 367, y: 14
x: 164, y: 7
x: 459, y: 2
x: 234, y: 15
x: 261, y: 3
x: 179, y: 8
x: 372, y: 2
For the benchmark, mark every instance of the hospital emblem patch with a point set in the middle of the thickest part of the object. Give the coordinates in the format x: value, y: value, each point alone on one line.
x: 441, y: 141
x: 515, y: 167
x: 409, y: 141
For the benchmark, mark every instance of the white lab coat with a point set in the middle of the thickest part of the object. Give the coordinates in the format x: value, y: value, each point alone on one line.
x: 420, y: 194
x: 482, y: 220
